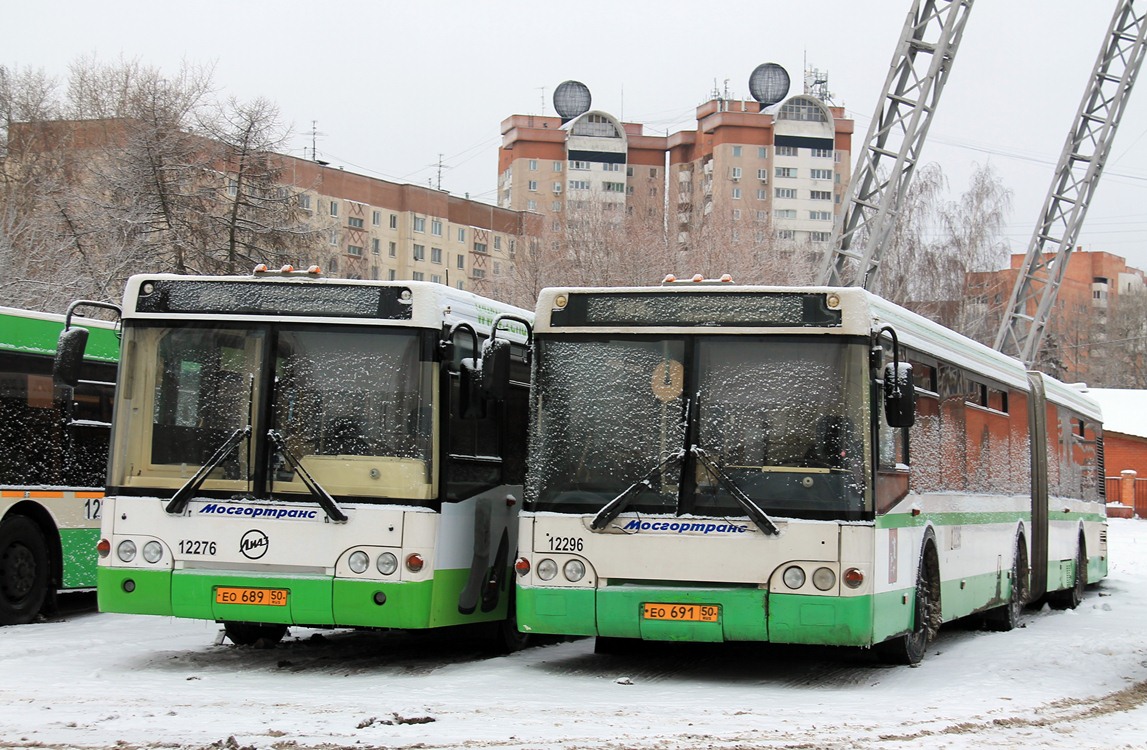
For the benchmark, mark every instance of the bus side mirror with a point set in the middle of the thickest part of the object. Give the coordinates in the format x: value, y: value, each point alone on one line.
x: 496, y: 369
x: 70, y: 355
x: 471, y: 403
x: 899, y: 395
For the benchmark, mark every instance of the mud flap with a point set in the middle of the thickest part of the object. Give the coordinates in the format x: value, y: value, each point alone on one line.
x: 480, y: 563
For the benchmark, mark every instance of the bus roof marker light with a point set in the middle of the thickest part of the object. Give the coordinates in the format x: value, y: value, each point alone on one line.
x: 314, y: 270
x: 833, y: 301
x: 288, y: 268
x: 698, y: 278
x: 561, y: 301
x: 260, y: 268
x: 669, y: 279
x: 727, y: 278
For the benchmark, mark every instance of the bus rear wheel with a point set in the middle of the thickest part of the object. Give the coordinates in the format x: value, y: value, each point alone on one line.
x: 254, y: 634
x: 1070, y: 598
x: 24, y: 571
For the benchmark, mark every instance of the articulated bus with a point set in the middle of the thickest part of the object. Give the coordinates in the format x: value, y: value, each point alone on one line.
x: 711, y: 462
x: 289, y: 449
x: 53, y: 455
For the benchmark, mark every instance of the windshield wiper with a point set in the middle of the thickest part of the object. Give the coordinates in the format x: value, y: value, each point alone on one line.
x: 752, y: 509
x: 327, y: 502
x: 184, y: 493
x: 614, y: 507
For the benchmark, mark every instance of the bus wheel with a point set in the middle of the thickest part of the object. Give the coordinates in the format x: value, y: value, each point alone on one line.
x: 1071, y: 597
x: 1007, y: 616
x: 252, y: 634
x: 23, y: 571
x: 910, y: 647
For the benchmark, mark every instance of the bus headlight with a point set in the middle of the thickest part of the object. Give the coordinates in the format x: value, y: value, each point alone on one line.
x: 574, y: 570
x: 126, y: 550
x: 387, y: 563
x: 824, y: 579
x: 547, y: 569
x: 793, y: 577
x: 152, y: 551
x: 358, y: 561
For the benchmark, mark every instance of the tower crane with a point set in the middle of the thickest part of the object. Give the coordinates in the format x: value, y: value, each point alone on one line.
x: 916, y: 78
x: 1081, y: 162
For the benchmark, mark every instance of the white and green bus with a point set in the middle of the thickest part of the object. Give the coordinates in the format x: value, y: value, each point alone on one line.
x: 289, y: 449
x: 711, y: 462
x: 53, y: 455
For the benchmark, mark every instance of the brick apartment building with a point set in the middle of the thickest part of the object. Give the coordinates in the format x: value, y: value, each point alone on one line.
x: 1081, y: 320
x: 779, y: 168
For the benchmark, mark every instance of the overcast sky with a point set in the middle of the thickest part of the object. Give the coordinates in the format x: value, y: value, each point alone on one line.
x: 395, y: 86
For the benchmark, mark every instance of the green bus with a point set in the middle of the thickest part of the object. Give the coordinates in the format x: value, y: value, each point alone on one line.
x: 53, y: 456
x: 711, y: 462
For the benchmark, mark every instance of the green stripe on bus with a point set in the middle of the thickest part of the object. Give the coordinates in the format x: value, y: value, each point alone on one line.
x: 904, y: 520
x: 78, y: 552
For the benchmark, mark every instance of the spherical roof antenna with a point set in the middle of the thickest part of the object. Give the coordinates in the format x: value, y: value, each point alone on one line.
x: 571, y: 98
x: 769, y: 84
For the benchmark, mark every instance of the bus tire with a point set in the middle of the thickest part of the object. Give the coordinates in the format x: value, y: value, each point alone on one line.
x: 1070, y: 598
x: 24, y: 574
x: 910, y: 647
x: 1007, y: 616
x: 254, y: 634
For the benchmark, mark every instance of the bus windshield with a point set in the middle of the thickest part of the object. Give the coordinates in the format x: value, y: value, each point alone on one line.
x: 783, y: 418
x: 352, y: 406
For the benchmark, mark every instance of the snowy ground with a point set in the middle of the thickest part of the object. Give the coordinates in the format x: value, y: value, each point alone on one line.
x: 1066, y: 680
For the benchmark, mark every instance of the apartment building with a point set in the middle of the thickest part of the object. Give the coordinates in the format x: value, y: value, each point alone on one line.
x: 780, y: 169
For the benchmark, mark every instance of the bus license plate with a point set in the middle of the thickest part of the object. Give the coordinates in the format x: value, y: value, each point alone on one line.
x: 681, y: 612
x: 243, y: 595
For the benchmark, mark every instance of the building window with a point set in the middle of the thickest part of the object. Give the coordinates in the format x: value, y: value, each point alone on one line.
x: 232, y: 188
x: 556, y: 206
x: 557, y: 166
x: 334, y: 208
x: 820, y: 215
x: 478, y: 273
x: 435, y: 278
x: 392, y: 250
x: 579, y: 184
x: 786, y: 172
x: 762, y: 194
x: 820, y: 236
x: 762, y: 215
x: 390, y: 274
x: 531, y: 205
x: 435, y: 255
x: 354, y: 250
x: 417, y: 276
x: 735, y: 173
x: 581, y: 165
x: 821, y: 174
x: 436, y: 227
x: 785, y: 213
x: 762, y: 152
x: 787, y: 151
x: 420, y: 252
x: 533, y: 186
x: 334, y: 237
x: 736, y: 194
x: 653, y: 171
x: 461, y: 234
x: 304, y: 201
x: 611, y: 168
x: 763, y: 175
x: 462, y: 261
x: 497, y: 242
x: 786, y: 234
x: 374, y: 272
x: 480, y: 247
x: 497, y: 268
x: 736, y: 150
x: 613, y: 187
x: 737, y: 214
x: 822, y: 153
x: 333, y: 266
x: 394, y: 221
x: 533, y: 165
x: 376, y: 218
x: 375, y: 247
x: 820, y: 195
x: 354, y: 222
x: 419, y: 223
x: 785, y: 192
